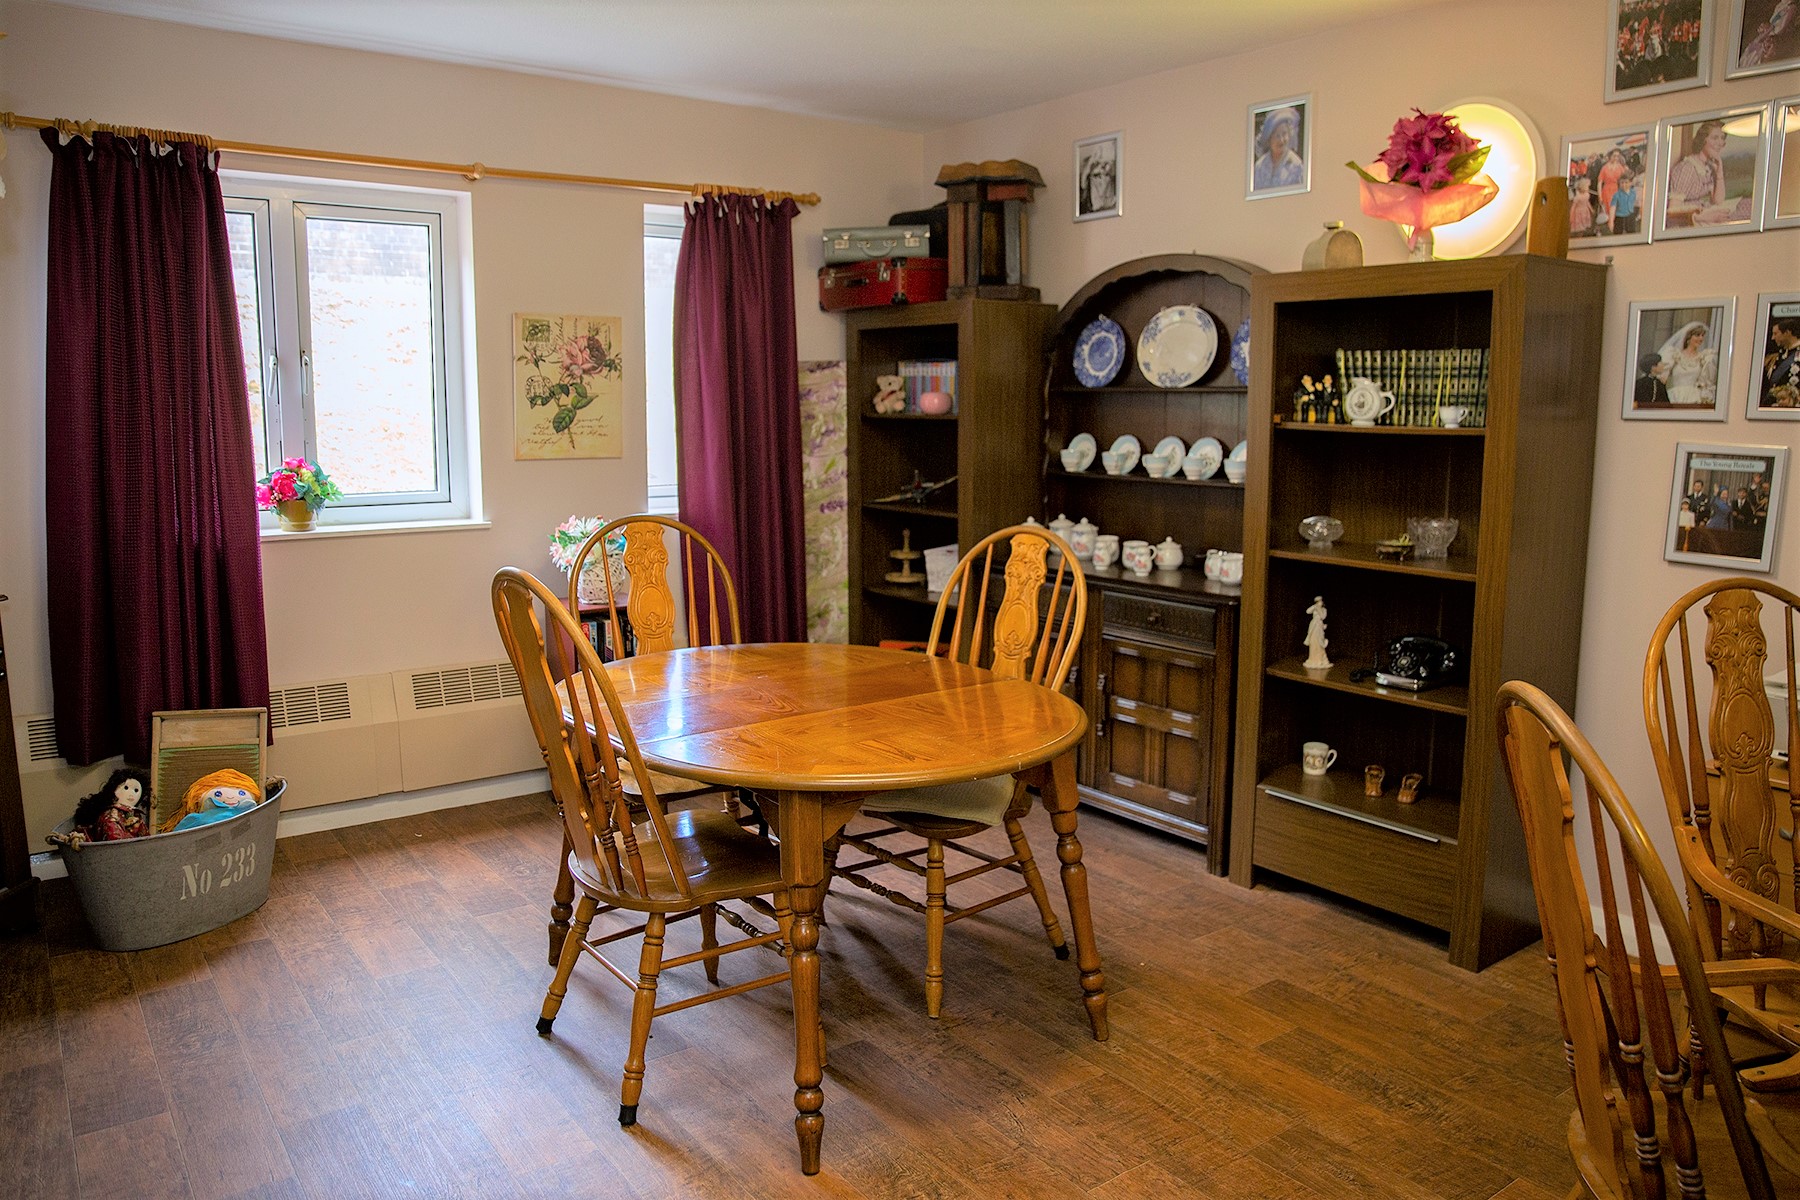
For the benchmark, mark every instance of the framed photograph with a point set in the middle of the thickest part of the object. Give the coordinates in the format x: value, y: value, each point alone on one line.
x: 1099, y: 176
x: 1678, y: 365
x: 1279, y: 162
x: 1765, y: 37
x: 1724, y: 505
x: 1712, y: 172
x: 1609, y: 175
x: 1775, y: 371
x: 1782, y: 198
x: 1658, y: 46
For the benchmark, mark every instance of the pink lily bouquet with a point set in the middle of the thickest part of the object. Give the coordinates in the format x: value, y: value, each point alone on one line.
x: 1430, y: 174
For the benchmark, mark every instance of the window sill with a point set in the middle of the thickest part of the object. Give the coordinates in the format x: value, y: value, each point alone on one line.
x: 374, y: 528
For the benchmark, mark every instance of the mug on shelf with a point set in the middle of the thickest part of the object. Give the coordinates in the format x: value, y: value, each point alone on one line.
x: 1231, y: 567
x: 1106, y: 550
x: 1316, y: 758
x: 1452, y: 415
x: 1214, y: 560
x: 1138, y: 556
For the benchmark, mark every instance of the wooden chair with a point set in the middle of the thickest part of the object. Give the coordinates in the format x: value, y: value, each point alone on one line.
x: 1034, y: 633
x: 644, y: 618
x: 1633, y: 1120
x: 666, y: 866
x: 1712, y: 739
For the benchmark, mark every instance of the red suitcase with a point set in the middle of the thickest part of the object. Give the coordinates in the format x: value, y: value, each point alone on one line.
x: 882, y: 281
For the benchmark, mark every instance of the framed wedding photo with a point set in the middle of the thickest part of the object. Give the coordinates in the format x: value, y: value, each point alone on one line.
x: 1658, y: 46
x: 1782, y: 202
x: 1279, y: 162
x: 1712, y: 168
x: 1099, y: 176
x: 1678, y: 364
x: 1610, y: 174
x: 1775, y: 371
x: 1765, y: 37
x: 1724, y: 505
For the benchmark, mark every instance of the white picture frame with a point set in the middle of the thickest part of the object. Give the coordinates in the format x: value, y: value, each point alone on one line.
x: 1774, y: 391
x: 1687, y: 381
x: 1731, y: 542
x: 1278, y: 148
x: 1636, y: 146
x: 1781, y: 190
x: 1100, y: 176
x: 1764, y: 38
x: 1708, y: 189
x: 1640, y: 61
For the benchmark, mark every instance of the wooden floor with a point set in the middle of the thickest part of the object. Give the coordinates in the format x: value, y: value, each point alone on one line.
x: 369, y: 1032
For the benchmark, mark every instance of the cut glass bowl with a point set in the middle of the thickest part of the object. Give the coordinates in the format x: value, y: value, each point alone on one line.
x: 1321, y: 532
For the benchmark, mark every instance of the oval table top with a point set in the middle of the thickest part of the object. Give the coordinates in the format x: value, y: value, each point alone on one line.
x: 836, y: 718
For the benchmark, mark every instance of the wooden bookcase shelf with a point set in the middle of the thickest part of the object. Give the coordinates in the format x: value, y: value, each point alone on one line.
x: 1508, y: 598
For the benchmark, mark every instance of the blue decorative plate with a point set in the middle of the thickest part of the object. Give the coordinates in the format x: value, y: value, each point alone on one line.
x: 1240, y: 353
x: 1099, y: 352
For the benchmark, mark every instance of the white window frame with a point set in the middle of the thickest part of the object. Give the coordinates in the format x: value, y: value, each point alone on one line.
x: 280, y: 206
x: 666, y: 221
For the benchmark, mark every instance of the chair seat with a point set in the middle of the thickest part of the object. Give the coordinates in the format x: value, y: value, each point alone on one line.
x: 723, y: 861
x: 949, y: 810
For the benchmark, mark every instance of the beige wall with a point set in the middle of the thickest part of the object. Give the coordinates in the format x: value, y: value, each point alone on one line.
x: 405, y: 600
x: 1184, y: 182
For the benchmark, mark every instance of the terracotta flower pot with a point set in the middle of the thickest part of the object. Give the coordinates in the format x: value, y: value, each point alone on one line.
x: 294, y: 515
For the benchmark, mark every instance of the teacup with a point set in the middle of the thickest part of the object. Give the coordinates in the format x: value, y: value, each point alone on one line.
x: 1106, y: 550
x: 1071, y: 460
x: 1193, y: 468
x: 1113, y: 461
x: 1234, y: 469
x: 1214, y: 560
x: 1138, y: 556
x: 1161, y: 466
x: 1231, y: 568
x: 1452, y: 415
x: 1316, y: 758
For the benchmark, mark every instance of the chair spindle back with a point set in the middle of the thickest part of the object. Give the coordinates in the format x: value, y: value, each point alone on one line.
x: 585, y: 772
x: 1035, y: 631
x: 708, y: 614
x: 1610, y: 986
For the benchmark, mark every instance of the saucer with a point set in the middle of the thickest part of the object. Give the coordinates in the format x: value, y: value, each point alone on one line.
x: 1176, y: 449
x: 1127, y: 445
x: 1241, y: 451
x: 1083, y: 444
x: 1207, y: 455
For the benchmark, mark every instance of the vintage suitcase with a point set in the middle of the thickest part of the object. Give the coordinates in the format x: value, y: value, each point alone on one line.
x: 883, y: 281
x: 880, y: 241
x: 937, y: 219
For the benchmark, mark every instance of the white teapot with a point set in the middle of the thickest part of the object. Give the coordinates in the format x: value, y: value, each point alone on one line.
x: 1168, y: 554
x: 1365, y: 402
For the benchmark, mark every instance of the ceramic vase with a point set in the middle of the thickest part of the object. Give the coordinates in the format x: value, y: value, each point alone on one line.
x: 294, y: 515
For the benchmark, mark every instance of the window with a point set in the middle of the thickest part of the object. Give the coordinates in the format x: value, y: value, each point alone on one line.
x: 663, y: 224
x: 351, y: 304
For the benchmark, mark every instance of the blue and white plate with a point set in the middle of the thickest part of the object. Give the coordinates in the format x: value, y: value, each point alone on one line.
x: 1240, y: 353
x: 1177, y: 346
x: 1099, y: 352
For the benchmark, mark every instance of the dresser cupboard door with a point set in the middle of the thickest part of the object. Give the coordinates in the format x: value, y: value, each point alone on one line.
x: 1153, y: 745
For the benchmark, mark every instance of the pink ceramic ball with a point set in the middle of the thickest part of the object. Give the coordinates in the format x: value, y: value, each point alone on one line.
x: 934, y: 404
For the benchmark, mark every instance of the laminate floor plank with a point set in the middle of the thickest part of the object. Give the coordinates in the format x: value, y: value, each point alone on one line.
x: 371, y: 1032
x: 141, y: 1159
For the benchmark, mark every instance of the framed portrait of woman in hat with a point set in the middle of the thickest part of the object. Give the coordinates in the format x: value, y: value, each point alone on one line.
x: 1279, y: 162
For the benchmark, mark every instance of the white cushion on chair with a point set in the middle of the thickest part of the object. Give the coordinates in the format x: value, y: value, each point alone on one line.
x: 983, y: 800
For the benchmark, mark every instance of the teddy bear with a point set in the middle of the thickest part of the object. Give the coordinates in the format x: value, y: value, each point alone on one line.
x: 118, y: 810
x: 890, y: 394
x: 215, y: 797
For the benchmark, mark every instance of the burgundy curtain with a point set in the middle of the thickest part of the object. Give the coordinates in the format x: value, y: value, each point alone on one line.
x: 737, y: 401
x: 155, y: 572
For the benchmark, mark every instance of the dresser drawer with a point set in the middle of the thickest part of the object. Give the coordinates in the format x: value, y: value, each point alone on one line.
x: 1186, y: 622
x: 1404, y: 871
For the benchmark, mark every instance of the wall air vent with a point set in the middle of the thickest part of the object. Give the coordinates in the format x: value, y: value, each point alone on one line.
x: 464, y: 685
x: 309, y: 704
x: 40, y: 739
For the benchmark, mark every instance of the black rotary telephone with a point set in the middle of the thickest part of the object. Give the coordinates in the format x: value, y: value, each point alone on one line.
x: 1416, y: 662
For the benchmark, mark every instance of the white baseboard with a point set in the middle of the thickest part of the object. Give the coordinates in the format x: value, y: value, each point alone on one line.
x: 49, y: 865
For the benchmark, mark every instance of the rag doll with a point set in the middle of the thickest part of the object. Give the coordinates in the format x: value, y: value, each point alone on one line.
x: 117, y: 811
x: 216, y: 797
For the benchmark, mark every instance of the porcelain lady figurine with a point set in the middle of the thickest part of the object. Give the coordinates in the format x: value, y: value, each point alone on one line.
x: 1315, y: 637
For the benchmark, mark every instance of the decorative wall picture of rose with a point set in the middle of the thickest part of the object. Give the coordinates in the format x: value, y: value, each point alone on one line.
x: 568, y: 377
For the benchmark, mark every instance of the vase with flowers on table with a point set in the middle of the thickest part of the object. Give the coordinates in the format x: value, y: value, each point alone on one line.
x: 1429, y: 175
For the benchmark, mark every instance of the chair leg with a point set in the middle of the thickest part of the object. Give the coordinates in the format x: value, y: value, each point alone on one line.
x: 934, y: 927
x: 649, y: 964
x: 565, y: 963
x: 1028, y: 868
x: 709, y: 939
x: 560, y: 900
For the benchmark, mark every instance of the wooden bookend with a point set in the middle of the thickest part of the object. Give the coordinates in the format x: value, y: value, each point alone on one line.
x: 1548, y: 232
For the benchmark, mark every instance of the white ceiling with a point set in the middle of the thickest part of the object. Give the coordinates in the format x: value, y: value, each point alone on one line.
x: 909, y: 64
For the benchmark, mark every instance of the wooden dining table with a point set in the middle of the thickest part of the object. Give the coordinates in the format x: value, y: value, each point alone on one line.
x: 817, y: 728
